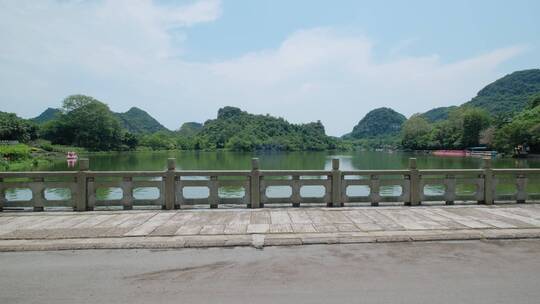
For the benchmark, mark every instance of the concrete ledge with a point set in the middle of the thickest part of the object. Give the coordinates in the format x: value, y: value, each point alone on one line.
x: 260, y: 228
x: 262, y: 240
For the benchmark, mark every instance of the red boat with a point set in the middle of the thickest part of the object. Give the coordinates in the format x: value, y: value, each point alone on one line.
x: 473, y: 151
x: 459, y: 153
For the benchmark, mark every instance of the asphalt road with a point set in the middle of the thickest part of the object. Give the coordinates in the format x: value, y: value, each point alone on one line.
x: 421, y: 272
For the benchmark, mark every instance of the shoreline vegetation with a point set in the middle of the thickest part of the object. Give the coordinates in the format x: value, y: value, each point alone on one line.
x: 504, y: 115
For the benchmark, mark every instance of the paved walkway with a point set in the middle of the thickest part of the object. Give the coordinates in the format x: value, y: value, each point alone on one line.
x: 264, y: 227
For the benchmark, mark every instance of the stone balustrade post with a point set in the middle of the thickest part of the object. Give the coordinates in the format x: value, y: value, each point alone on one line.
x: 450, y: 192
x: 295, y: 197
x: 254, y: 191
x: 81, y: 200
x: 170, y: 184
x: 38, y: 188
x: 414, y: 179
x: 488, y: 181
x: 336, y: 184
x: 521, y: 187
x: 127, y: 192
x: 213, y: 192
x: 374, y: 190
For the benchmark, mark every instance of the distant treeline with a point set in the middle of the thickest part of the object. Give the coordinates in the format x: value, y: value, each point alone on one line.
x: 87, y: 122
x: 503, y: 115
x: 470, y: 127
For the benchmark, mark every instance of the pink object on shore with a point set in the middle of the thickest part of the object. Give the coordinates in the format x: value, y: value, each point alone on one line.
x: 71, y: 155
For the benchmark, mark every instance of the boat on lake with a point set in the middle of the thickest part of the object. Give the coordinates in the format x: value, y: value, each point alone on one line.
x: 458, y: 153
x: 473, y: 152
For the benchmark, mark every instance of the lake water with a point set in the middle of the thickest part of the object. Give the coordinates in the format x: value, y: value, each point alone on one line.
x: 224, y: 160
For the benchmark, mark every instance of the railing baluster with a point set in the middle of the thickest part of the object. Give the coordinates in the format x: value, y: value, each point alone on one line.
x: 295, y: 197
x: 38, y: 198
x: 336, y: 184
x: 81, y: 201
x: 255, y: 180
x: 127, y: 192
x: 374, y: 187
x: 170, y: 184
x: 213, y: 197
x: 450, y: 191
x: 179, y: 193
x: 91, y: 191
x: 414, y: 179
x: 488, y: 182
x: 521, y: 187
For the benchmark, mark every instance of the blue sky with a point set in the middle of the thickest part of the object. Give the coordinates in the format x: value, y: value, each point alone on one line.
x: 302, y: 60
x: 451, y: 29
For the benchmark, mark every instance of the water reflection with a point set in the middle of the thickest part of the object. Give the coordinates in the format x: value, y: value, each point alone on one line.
x: 53, y: 194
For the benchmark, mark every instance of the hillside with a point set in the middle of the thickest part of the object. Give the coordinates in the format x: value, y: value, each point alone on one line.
x: 508, y: 94
x: 46, y: 115
x: 138, y: 121
x: 238, y: 130
x: 134, y: 120
x: 438, y: 114
x: 378, y: 123
x: 190, y: 129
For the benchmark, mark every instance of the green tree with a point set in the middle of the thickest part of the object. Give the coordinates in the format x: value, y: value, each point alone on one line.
x: 475, y: 120
x: 523, y: 129
x: 14, y: 128
x: 161, y: 140
x: 130, y: 141
x: 447, y: 134
x: 74, y: 102
x: 415, y: 133
x: 461, y: 129
x: 534, y: 101
x: 487, y: 136
x: 85, y: 122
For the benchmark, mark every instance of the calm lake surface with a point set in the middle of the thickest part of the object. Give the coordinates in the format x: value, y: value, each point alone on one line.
x: 224, y: 160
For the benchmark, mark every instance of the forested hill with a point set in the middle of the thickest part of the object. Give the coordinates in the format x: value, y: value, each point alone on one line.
x: 438, y: 114
x: 505, y: 96
x: 190, y: 129
x: 135, y: 120
x: 138, y: 121
x: 238, y: 130
x: 46, y: 115
x: 508, y: 94
x: 378, y: 123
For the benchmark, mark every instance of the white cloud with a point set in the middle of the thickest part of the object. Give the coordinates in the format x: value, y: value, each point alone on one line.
x: 122, y: 52
x: 318, y: 74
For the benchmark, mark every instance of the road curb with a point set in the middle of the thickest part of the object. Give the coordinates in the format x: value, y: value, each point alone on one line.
x: 261, y: 240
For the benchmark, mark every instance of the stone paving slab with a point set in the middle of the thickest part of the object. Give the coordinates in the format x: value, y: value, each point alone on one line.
x: 264, y: 227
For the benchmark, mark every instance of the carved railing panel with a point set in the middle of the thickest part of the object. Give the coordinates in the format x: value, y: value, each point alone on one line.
x: 38, y: 183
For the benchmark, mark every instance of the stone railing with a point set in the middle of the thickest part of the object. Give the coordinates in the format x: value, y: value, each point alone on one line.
x: 337, y: 187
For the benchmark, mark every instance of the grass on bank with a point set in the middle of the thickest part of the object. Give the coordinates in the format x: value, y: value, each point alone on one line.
x: 20, y: 157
